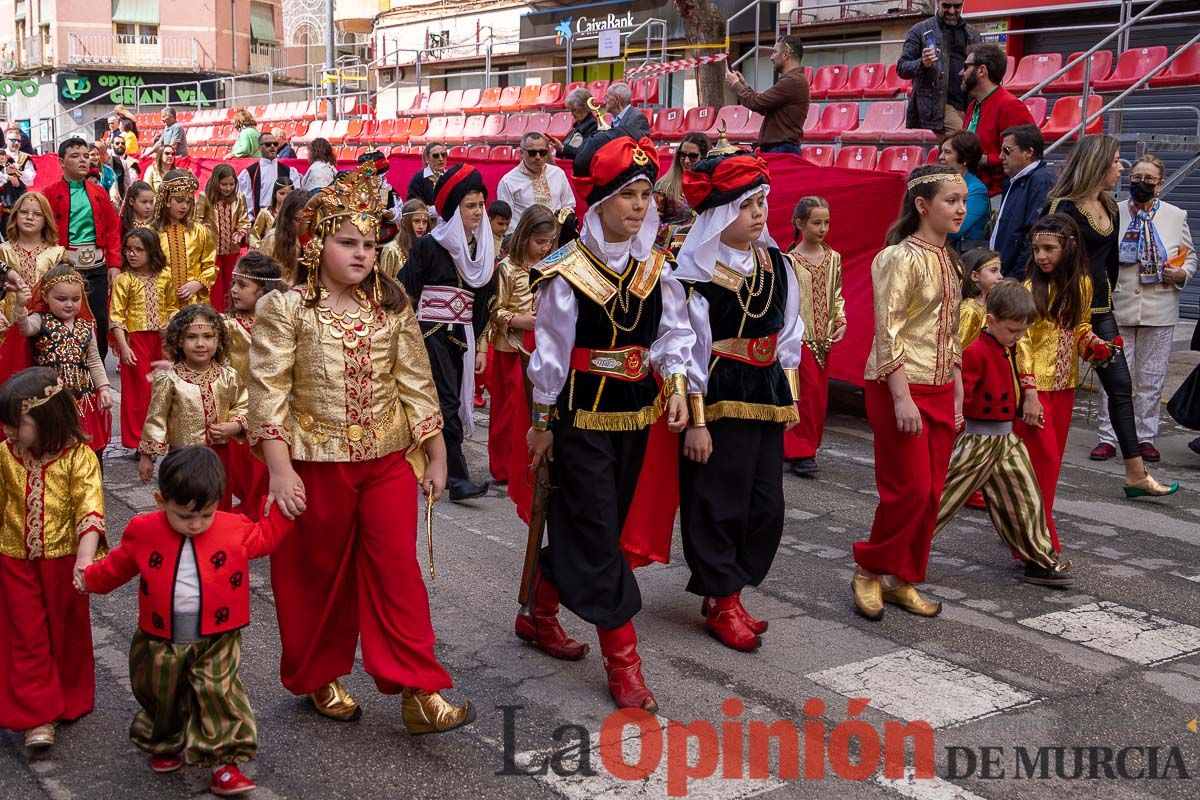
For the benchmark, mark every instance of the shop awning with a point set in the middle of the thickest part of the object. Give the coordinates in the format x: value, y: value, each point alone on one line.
x: 262, y: 24
x: 135, y: 12
x: 20, y: 13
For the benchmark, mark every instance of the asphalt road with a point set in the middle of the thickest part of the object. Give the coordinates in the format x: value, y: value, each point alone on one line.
x: 1112, y: 663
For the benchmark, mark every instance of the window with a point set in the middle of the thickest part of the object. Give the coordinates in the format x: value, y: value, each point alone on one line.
x: 135, y: 21
x: 262, y: 25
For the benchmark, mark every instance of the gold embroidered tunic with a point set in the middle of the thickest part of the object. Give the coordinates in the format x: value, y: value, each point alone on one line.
x: 513, y: 299
x: 392, y: 258
x: 184, y: 403
x: 238, y: 326
x: 265, y: 221
x: 191, y: 256
x: 1048, y: 354
x: 49, y: 503
x: 971, y: 316
x: 339, y: 387
x: 30, y: 265
x: 224, y: 221
x: 916, y: 313
x: 822, y: 307
x: 142, y: 301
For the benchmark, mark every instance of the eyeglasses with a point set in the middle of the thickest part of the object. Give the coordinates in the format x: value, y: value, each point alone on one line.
x: 952, y: 6
x: 135, y: 249
x: 537, y: 153
x: 1149, y: 180
x: 30, y: 213
x: 438, y: 156
x: 268, y: 144
x: 688, y: 156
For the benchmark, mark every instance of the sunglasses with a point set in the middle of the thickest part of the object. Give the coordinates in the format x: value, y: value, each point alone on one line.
x: 688, y: 156
x: 437, y: 155
x: 537, y: 153
x: 950, y: 6
x: 268, y: 144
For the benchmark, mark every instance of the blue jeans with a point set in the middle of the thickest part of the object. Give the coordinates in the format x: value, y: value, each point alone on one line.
x: 781, y: 148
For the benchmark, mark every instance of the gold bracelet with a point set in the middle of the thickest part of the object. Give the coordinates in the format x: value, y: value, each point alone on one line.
x: 793, y: 379
x: 676, y: 385
x: 696, y: 410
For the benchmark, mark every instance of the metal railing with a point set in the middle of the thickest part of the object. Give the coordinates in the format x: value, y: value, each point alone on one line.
x: 267, y: 57
x: 132, y: 50
x: 757, y: 8
x: 35, y: 51
x: 848, y: 9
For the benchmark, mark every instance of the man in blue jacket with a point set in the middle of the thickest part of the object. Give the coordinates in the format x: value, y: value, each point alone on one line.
x: 1025, y: 190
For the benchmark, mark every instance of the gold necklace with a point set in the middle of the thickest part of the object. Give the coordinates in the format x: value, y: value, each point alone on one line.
x: 349, y: 327
x: 752, y: 294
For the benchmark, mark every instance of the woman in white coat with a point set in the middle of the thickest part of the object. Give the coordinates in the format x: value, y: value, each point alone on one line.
x: 1157, y: 260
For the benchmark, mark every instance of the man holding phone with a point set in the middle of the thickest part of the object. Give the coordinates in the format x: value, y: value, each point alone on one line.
x: 784, y: 106
x: 932, y: 58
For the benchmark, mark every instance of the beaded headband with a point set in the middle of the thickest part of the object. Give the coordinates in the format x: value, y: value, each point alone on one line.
x: 936, y: 177
x: 67, y: 277
x: 1063, y: 237
x: 259, y: 278
x: 987, y: 264
x: 42, y: 399
x: 202, y: 324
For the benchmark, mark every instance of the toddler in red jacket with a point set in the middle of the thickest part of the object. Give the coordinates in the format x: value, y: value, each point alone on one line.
x: 193, y: 601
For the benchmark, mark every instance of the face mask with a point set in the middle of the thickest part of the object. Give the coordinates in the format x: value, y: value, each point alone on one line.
x: 1141, y: 192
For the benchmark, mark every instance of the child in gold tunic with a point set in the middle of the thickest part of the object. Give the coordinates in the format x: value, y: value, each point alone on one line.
x: 189, y: 247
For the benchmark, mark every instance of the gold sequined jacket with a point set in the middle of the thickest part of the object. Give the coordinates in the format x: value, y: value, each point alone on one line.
x: 238, y: 327
x: 264, y: 222
x: 340, y: 387
x: 224, y: 221
x: 392, y: 258
x: 191, y: 256
x: 1048, y: 354
x: 184, y: 403
x: 822, y: 307
x: 142, y: 302
x: 513, y: 299
x: 30, y: 268
x: 917, y: 291
x: 49, y: 503
x: 971, y: 316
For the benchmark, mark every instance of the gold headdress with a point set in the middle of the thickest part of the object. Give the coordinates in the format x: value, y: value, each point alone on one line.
x: 41, y: 399
x: 722, y: 147
x: 66, y: 277
x: 598, y: 113
x: 354, y: 197
x: 181, y: 186
x: 936, y: 177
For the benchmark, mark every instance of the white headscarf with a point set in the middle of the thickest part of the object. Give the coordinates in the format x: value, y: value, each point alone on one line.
x: 617, y: 253
x: 451, y: 234
x: 698, y: 256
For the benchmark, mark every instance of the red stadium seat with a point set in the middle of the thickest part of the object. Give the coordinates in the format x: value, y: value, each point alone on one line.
x: 902, y: 158
x: 935, y: 153
x: 514, y: 128
x: 550, y: 96
x: 437, y: 102
x: 1033, y: 69
x: 668, y: 125
x: 1072, y: 81
x: 1183, y: 71
x: 597, y: 90
x: 400, y: 133
x: 478, y: 152
x: 529, y: 98
x: 458, y: 152
x: 1010, y: 66
x: 454, y: 130
x: 435, y: 133
x: 539, y: 121
x: 473, y: 129
x: 645, y: 91
x: 863, y: 157
x: 501, y: 153
x: 354, y: 132
x: 835, y: 118
x: 808, y: 74
x: 891, y: 86
x: 417, y: 128
x: 493, y: 129
x: 385, y: 131
x: 862, y: 77
x: 734, y: 118
x: 453, y: 104
x: 832, y: 76
x: 699, y: 120
x: 470, y: 100
x: 885, y: 122
x: 813, y: 117
x: 1132, y: 66
x: 1037, y: 109
x: 820, y: 154
x: 573, y: 85
x: 748, y: 129
x: 510, y: 99
x: 490, y: 102
x: 560, y: 125
x: 1067, y: 113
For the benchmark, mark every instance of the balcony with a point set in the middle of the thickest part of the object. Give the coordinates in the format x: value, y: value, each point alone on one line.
x: 128, y: 50
x: 267, y: 57
x: 35, y: 52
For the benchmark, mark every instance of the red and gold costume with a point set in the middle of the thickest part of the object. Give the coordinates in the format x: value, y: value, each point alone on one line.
x: 189, y: 246
x: 140, y: 304
x: 507, y: 451
x: 264, y: 223
x: 823, y: 311
x: 392, y: 258
x: 46, y: 505
x: 971, y: 316
x: 246, y: 476
x: 31, y: 265
x: 229, y: 224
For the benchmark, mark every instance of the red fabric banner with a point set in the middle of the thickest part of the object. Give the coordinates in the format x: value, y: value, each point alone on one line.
x: 863, y: 204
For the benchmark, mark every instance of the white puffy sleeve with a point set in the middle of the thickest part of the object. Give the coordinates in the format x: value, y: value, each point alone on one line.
x: 792, y: 335
x: 554, y: 338
x: 672, y: 350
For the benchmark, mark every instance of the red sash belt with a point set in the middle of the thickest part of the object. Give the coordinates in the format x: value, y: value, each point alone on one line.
x: 758, y: 352
x: 625, y: 363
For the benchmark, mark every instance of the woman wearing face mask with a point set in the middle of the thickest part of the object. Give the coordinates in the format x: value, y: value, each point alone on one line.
x: 1157, y: 260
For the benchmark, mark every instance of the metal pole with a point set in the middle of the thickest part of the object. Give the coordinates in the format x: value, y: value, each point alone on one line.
x: 330, y: 47
x: 233, y: 37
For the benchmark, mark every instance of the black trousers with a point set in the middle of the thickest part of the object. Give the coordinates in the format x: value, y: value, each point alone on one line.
x: 1118, y: 384
x: 446, y: 361
x: 97, y: 297
x: 594, y: 474
x: 732, y: 507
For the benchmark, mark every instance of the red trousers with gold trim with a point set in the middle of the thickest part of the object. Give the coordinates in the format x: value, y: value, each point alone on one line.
x: 351, y: 567
x: 910, y: 472
x: 1046, y: 446
x: 218, y: 296
x: 47, y: 673
x: 147, y: 347
x: 804, y: 438
x: 506, y: 385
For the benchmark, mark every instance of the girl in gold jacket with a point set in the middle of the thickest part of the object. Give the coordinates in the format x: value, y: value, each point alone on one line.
x: 189, y: 247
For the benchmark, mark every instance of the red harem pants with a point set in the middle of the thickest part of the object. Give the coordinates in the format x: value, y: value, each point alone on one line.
x: 1046, y: 446
x: 218, y: 296
x: 350, y: 566
x: 147, y: 347
x: 804, y: 437
x: 910, y: 472
x: 46, y: 669
x: 246, y: 478
x: 506, y: 385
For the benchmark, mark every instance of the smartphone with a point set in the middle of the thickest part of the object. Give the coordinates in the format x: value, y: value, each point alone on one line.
x: 931, y: 40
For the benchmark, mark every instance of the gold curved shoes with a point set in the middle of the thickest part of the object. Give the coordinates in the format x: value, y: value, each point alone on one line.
x: 1148, y: 487
x: 429, y: 712
x: 41, y: 737
x: 868, y: 595
x: 905, y: 595
x: 333, y: 701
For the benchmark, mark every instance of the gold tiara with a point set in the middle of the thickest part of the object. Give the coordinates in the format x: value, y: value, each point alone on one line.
x: 66, y: 277
x: 1066, y: 237
x: 987, y: 264
x: 935, y: 177
x: 200, y: 323
x: 259, y: 278
x: 42, y: 399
